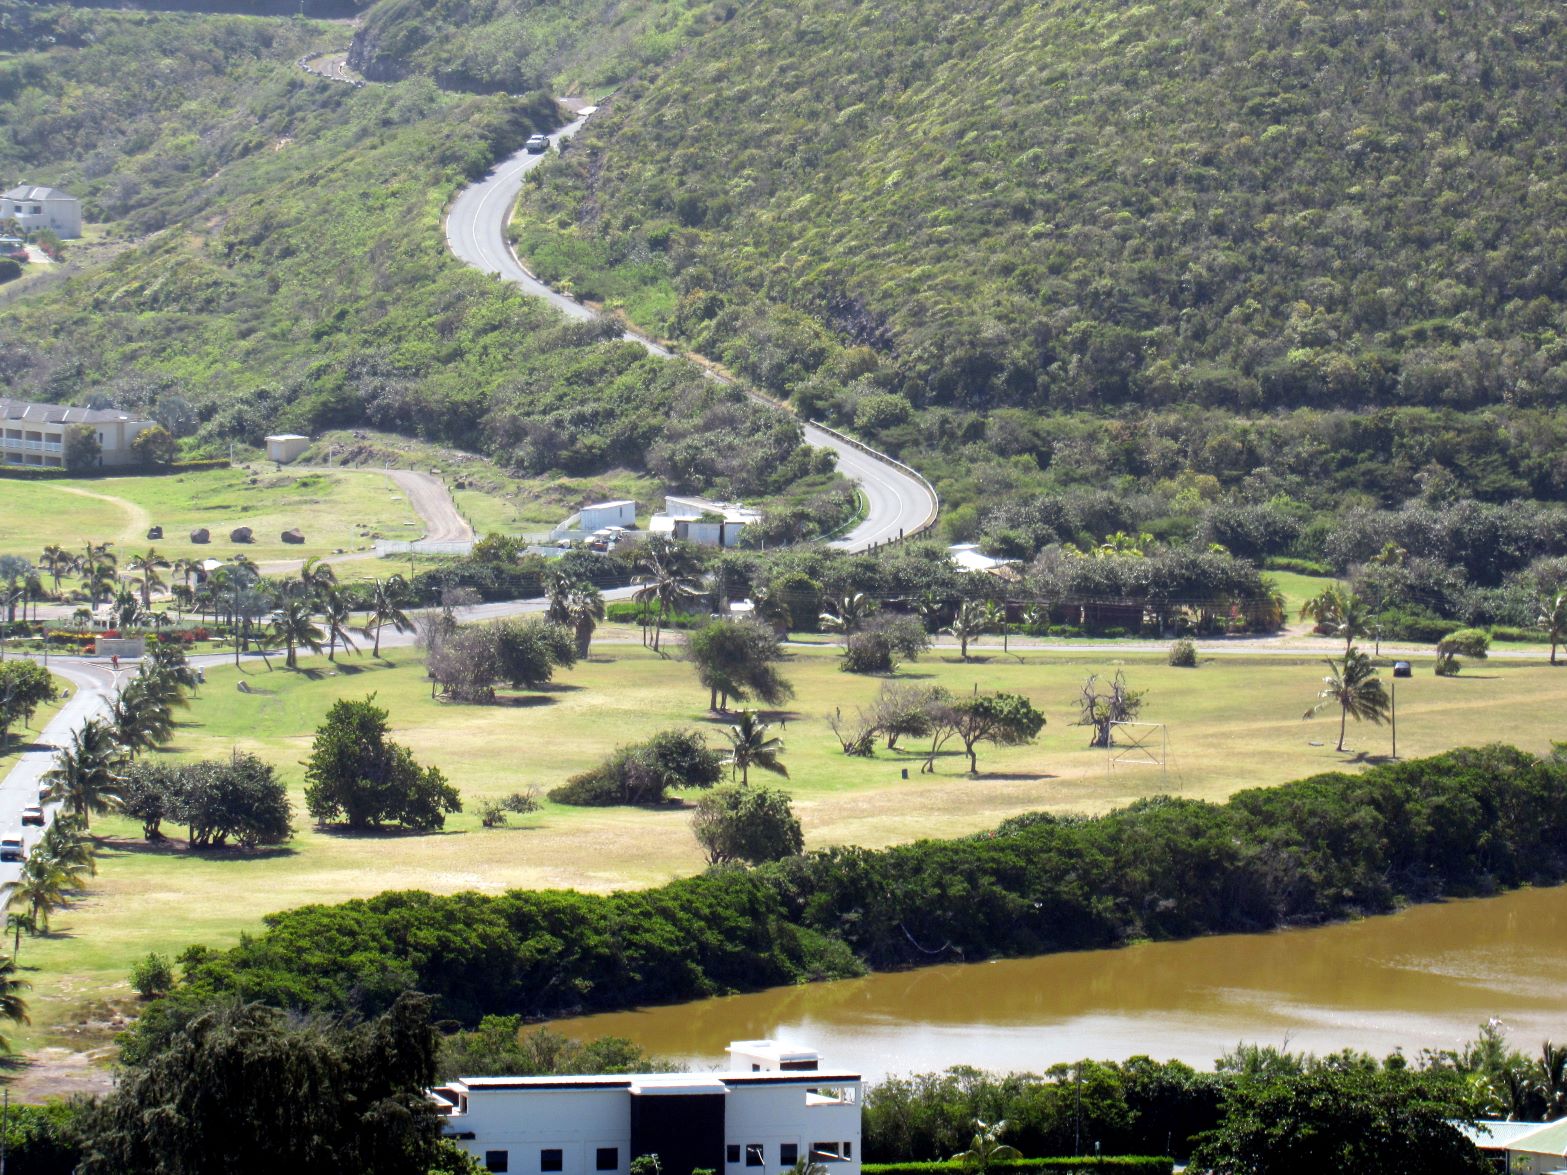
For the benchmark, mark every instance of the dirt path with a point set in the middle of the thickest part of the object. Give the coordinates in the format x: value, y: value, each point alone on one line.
x: 138, y: 519
x: 432, y: 501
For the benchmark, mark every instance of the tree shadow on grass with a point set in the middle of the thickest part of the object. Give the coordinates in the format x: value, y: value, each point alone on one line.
x: 175, y: 847
x: 390, y: 832
x: 1014, y: 776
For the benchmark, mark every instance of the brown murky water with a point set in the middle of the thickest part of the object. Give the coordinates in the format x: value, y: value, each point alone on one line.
x: 1424, y: 978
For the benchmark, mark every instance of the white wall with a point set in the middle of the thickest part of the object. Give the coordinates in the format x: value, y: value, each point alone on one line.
x: 524, y: 1122
x: 774, y: 1114
x: 615, y: 514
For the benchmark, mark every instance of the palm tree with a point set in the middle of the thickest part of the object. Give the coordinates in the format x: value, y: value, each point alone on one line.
x: 751, y: 746
x: 146, y: 565
x: 296, y: 627
x: 58, y: 562
x: 1354, y: 687
x: 986, y: 1148
x: 126, y: 608
x: 1553, y: 618
x: 184, y: 570
x: 1553, y: 1080
x: 140, y: 717
x: 931, y: 609
x: 316, y: 575
x: 386, y: 607
x: 83, y: 774
x: 43, y: 887
x: 668, y: 579
x: 1341, y: 611
x: 969, y: 623
x: 767, y: 607
x: 336, y: 613
x: 996, y: 621
x: 13, y: 570
x: 12, y: 1006
x: 67, y: 844
x: 98, y: 569
x: 581, y: 610
x: 849, y: 614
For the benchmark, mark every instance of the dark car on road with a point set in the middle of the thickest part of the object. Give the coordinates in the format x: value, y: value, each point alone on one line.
x: 33, y: 815
x: 537, y: 144
x: 12, y: 850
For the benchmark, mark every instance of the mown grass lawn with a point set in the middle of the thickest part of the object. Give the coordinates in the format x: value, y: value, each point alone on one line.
x: 334, y: 508
x: 1234, y: 722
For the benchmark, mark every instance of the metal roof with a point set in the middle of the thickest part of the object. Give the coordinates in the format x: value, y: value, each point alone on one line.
x: 34, y: 413
x: 33, y: 192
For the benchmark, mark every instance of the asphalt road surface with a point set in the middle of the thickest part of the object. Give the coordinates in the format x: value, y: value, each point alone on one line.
x: 897, y: 500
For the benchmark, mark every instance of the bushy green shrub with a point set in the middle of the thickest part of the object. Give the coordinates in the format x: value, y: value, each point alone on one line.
x: 152, y: 976
x: 645, y: 772
x: 1183, y: 654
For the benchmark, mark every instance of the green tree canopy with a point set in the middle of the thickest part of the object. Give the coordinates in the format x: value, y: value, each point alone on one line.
x: 358, y: 776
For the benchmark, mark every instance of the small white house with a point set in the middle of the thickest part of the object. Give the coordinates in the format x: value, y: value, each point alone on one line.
x: 773, y: 1107
x: 1524, y: 1148
x: 603, y: 514
x: 286, y: 446
x: 704, y: 522
x: 35, y: 208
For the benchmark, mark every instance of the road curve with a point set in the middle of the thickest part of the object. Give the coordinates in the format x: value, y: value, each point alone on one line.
x: 898, y: 501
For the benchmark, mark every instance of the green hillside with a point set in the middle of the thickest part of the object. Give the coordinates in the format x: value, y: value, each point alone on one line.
x: 1318, y: 247
x: 300, y: 279
x: 515, y: 45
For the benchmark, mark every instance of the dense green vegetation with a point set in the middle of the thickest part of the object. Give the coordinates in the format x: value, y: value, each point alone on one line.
x: 1303, y: 259
x: 1471, y: 821
x: 302, y: 281
x: 521, y: 45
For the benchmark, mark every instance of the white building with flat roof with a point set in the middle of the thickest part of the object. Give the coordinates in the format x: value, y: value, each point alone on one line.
x: 34, y: 434
x: 284, y: 447
x: 702, y: 521
x: 602, y: 514
x: 35, y: 207
x: 773, y: 1107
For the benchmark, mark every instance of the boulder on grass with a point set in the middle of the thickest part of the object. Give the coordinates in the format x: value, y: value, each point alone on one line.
x: 155, y: 532
x: 294, y: 535
x: 200, y: 535
x: 242, y: 534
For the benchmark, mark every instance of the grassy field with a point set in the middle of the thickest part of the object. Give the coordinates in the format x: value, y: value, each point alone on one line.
x: 1233, y: 723
x: 337, y: 509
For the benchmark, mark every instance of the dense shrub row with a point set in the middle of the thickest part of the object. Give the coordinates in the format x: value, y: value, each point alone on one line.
x: 1334, y: 845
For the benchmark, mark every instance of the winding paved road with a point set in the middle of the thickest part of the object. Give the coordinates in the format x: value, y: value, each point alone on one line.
x: 898, y: 501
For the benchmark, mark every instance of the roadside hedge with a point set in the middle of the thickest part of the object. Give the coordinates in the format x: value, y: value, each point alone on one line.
x: 1142, y: 1164
x: 38, y: 473
x: 1336, y: 845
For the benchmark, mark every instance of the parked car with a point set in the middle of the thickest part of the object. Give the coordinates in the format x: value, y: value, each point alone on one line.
x: 33, y: 815
x: 11, y: 850
x: 45, y: 793
x: 537, y: 144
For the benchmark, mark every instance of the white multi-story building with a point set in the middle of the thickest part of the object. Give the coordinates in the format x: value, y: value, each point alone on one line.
x: 34, y: 434
x: 772, y: 1108
x: 35, y: 207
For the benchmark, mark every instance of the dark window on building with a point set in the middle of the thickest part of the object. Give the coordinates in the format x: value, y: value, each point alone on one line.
x: 788, y: 1153
x: 552, y: 1159
x: 496, y: 1160
x: 848, y: 1150
x: 754, y: 1155
x: 732, y: 1153
x: 608, y: 1159
x: 825, y: 1152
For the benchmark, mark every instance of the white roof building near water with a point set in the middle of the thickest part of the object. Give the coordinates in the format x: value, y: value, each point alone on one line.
x: 1532, y: 1148
x: 771, y: 1108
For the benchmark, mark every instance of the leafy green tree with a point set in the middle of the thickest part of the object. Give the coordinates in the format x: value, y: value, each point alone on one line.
x: 246, y: 1089
x: 147, y: 790
x: 357, y: 775
x: 24, y: 686
x: 239, y: 799
x: 1002, y: 719
x: 1330, y: 1121
x: 154, y: 446
x: 738, y: 659
x: 83, y: 449
x: 1354, y: 687
x: 643, y: 773
x: 751, y: 746
x: 746, y: 824
x: 1473, y: 643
